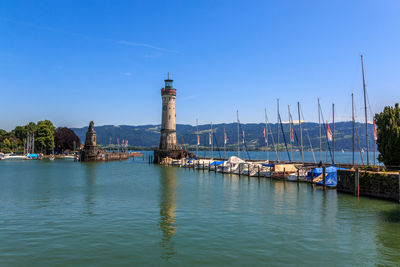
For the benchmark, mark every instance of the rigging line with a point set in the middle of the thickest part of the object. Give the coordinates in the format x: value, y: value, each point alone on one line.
x: 284, y: 138
x: 293, y: 128
x: 309, y: 140
x: 244, y: 143
x: 272, y: 136
x: 216, y: 142
x: 326, y: 135
x: 312, y: 150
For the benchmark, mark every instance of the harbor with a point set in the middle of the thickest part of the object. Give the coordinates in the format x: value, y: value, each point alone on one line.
x: 62, y: 212
x: 199, y: 133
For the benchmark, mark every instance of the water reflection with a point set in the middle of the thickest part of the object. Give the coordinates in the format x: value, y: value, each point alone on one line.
x: 90, y: 179
x: 167, y: 222
x: 388, y: 235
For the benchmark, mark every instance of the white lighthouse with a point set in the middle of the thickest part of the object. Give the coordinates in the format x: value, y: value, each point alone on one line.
x: 168, y: 126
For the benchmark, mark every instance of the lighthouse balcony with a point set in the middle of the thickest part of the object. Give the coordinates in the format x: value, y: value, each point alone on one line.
x: 165, y: 91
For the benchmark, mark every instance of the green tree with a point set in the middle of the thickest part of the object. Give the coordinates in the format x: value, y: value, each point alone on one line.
x: 388, y: 123
x: 20, y: 132
x: 44, y: 136
x: 6, y: 145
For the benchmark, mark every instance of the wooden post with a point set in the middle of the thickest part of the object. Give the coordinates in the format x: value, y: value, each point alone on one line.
x: 284, y: 174
x: 324, y: 177
x: 357, y: 183
x: 239, y: 169
x: 208, y: 166
x: 230, y: 169
x: 298, y: 175
x: 248, y: 170
x: 258, y: 166
x: 203, y: 166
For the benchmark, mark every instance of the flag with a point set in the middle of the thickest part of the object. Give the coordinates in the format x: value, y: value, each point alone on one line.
x: 328, y: 132
x: 291, y: 135
x: 375, y: 132
x: 209, y: 138
x: 265, y: 135
x: 243, y: 136
x: 198, y: 140
x: 225, y: 138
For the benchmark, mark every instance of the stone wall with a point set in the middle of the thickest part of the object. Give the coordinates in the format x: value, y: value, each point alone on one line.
x: 160, y: 154
x: 373, y: 184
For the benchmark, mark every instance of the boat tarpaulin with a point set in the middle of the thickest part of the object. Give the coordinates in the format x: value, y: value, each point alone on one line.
x: 215, y: 163
x: 330, y: 174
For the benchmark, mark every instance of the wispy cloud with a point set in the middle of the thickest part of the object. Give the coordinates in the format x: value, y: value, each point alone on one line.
x: 124, y: 42
x: 84, y: 36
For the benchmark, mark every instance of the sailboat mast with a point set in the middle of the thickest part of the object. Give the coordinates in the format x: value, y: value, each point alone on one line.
x: 374, y: 139
x: 197, y: 137
x: 301, y: 133
x: 277, y: 126
x: 352, y: 115
x: 266, y: 135
x: 238, y: 146
x: 320, y: 132
x: 333, y: 132
x: 212, y: 145
x: 365, y: 108
x: 224, y: 144
x: 290, y: 131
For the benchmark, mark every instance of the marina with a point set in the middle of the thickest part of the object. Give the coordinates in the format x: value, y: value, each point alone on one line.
x: 139, y: 213
x: 199, y: 133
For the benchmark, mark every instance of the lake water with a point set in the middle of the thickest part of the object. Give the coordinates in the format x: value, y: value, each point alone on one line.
x: 61, y: 213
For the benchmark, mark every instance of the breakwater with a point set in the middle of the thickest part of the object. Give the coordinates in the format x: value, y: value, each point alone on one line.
x: 372, y: 184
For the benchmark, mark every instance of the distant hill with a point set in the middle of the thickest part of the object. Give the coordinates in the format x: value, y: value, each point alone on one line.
x: 149, y: 135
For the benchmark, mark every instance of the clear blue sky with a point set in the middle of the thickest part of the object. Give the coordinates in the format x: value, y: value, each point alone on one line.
x: 76, y: 61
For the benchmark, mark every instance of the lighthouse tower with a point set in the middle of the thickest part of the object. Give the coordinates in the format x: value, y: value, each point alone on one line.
x: 168, y: 126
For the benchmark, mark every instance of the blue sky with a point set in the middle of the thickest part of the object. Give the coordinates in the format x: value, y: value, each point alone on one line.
x: 76, y: 61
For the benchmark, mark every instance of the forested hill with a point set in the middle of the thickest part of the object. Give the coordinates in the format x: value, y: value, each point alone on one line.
x: 149, y: 135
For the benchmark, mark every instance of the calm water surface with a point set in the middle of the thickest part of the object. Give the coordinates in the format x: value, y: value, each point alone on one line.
x: 130, y: 213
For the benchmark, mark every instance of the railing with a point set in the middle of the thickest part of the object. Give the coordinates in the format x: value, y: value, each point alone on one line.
x: 163, y: 90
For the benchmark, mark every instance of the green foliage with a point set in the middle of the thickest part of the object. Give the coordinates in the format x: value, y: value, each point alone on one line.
x: 20, y: 132
x: 6, y: 145
x: 44, y: 136
x: 388, y: 123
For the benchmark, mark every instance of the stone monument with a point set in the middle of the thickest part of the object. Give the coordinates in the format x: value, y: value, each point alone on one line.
x: 90, y: 151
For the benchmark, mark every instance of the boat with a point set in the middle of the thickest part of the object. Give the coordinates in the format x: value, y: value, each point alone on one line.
x: 33, y: 156
x: 12, y: 157
x: 302, y: 176
x: 52, y: 158
x: 316, y: 176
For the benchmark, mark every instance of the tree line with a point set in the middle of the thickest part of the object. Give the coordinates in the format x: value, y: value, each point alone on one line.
x: 46, y: 137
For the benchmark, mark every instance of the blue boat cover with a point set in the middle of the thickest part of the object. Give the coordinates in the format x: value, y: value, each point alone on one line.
x: 330, y: 174
x: 217, y: 163
x: 268, y: 165
x: 33, y: 156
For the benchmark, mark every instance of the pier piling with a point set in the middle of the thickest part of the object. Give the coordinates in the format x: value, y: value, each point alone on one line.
x: 324, y: 177
x: 357, y: 182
